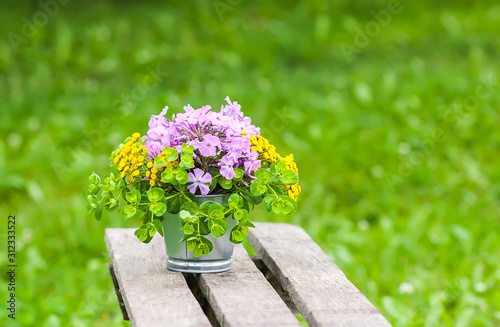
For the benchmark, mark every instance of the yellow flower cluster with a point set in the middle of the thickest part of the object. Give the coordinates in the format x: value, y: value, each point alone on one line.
x: 293, y: 190
x: 130, y: 158
x: 262, y: 146
x: 153, y: 172
x: 268, y: 154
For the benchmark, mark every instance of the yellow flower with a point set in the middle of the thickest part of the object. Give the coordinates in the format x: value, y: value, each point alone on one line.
x: 135, y: 173
x: 145, y: 150
x: 117, y: 158
x: 154, y: 170
x: 140, y: 164
x: 148, y: 173
x: 122, y: 174
x: 136, y: 135
x: 152, y: 183
x: 130, y: 179
x: 126, y: 168
x: 140, y: 158
x: 154, y: 177
x: 244, y: 133
x: 150, y: 164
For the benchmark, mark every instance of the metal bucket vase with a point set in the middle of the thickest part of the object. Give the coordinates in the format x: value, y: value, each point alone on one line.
x: 180, y: 259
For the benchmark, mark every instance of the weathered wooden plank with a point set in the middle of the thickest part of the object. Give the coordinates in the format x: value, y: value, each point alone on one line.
x: 118, y: 292
x: 153, y: 295
x: 243, y: 297
x: 319, y: 289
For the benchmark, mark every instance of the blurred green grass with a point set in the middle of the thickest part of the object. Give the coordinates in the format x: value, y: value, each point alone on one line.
x: 423, y: 247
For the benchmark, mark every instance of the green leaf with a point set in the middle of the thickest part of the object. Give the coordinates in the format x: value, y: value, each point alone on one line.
x: 114, y: 176
x: 156, y: 194
x: 173, y: 203
x: 217, y: 227
x: 257, y: 188
x: 112, y: 185
x: 289, y: 177
x: 94, y: 178
x: 133, y: 197
x: 216, y: 214
x: 171, y: 154
x: 159, y: 165
x: 286, y: 208
x: 158, y: 208
x: 236, y: 235
x: 151, y: 229
x: 217, y: 230
x: 192, y: 244
x: 276, y: 206
x: 250, y: 198
x: 188, y: 229
x: 98, y: 212
x: 270, y: 198
x: 167, y: 175
x: 240, y: 214
x: 111, y: 204
x: 94, y: 189
x: 234, y: 201
x: 191, y: 207
x: 181, y: 176
x: 92, y: 198
x: 143, y: 234
x: 184, y: 214
x: 263, y: 175
x: 204, y: 230
x: 207, y: 243
x: 238, y: 174
x: 130, y: 210
x: 187, y: 149
x: 188, y: 238
x: 290, y: 200
x: 205, y: 206
x: 246, y: 223
x: 225, y: 183
x: 277, y: 189
x: 198, y: 250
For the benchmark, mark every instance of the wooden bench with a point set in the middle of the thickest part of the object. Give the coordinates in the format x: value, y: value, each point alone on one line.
x: 291, y: 274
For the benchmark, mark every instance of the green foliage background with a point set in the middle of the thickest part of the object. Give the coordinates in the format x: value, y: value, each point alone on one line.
x: 410, y: 217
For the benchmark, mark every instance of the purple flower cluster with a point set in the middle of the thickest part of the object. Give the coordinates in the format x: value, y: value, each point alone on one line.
x: 220, y: 139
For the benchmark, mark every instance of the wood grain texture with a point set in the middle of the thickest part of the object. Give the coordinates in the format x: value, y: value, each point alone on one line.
x: 153, y: 295
x: 319, y: 289
x: 243, y: 297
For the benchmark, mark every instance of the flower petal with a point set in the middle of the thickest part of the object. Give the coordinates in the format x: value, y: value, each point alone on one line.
x: 192, y: 188
x: 207, y: 178
x: 198, y: 174
x: 191, y: 179
x: 204, y: 189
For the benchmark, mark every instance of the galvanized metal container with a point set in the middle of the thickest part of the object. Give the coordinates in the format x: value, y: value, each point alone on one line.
x: 180, y: 259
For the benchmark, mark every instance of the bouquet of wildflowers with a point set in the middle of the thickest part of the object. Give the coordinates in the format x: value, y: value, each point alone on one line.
x: 198, y: 152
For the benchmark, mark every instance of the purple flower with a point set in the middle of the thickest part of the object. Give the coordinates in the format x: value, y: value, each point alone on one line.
x: 226, y: 166
x: 216, y: 136
x: 199, y: 178
x: 208, y: 145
